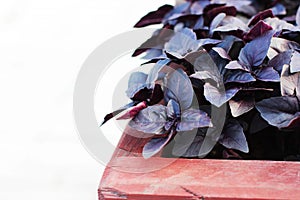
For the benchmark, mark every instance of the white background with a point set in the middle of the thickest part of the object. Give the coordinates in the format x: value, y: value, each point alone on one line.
x: 42, y: 46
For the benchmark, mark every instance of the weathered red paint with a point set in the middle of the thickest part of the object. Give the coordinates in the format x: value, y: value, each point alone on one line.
x: 195, y: 178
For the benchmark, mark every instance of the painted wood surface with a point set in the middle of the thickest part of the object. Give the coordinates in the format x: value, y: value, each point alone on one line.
x: 129, y: 176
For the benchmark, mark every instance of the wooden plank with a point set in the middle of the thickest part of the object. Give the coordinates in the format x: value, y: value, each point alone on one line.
x: 200, y: 179
x: 129, y: 176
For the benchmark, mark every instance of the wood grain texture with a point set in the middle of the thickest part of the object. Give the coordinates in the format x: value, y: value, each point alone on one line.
x: 129, y: 176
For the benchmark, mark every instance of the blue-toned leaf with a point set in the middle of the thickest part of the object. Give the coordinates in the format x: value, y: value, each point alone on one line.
x: 154, y: 17
x: 155, y: 145
x: 241, y: 106
x: 239, y: 5
x: 155, y: 73
x: 239, y: 76
x: 137, y: 81
x: 218, y: 96
x: 154, y: 54
x: 281, y: 59
x: 295, y: 62
x: 177, y: 11
x: 182, y: 43
x: 281, y: 112
x: 267, y: 74
x: 199, y: 23
x: 279, y: 25
x: 230, y: 23
x: 298, y: 16
x: 179, y: 88
x: 233, y: 136
x: 279, y: 9
x: 193, y: 118
x: 222, y: 53
x: 290, y: 83
x: 198, y: 6
x: 150, y: 120
x: 206, y: 41
x: 254, y: 52
x: 281, y: 45
x: 236, y: 65
x: 216, y: 22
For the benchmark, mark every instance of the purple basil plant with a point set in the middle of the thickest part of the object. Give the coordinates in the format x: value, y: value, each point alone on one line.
x: 244, y: 55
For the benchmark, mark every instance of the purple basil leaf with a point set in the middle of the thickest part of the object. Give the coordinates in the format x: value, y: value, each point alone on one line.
x: 241, y: 106
x: 177, y: 11
x: 199, y: 23
x: 281, y: 45
x: 279, y: 111
x: 187, y: 144
x: 228, y: 10
x: 216, y: 22
x: 155, y: 73
x: 259, y: 29
x: 198, y: 6
x: 239, y: 5
x: 222, y: 53
x: 173, y: 109
x: 279, y: 25
x: 279, y: 9
x: 182, y: 43
x: 137, y: 81
x: 117, y: 112
x: 233, y: 136
x: 281, y: 59
x: 193, y: 118
x: 290, y: 83
x: 133, y: 111
x: 295, y: 62
x: 260, y: 16
x: 154, y: 17
x: 154, y: 54
x: 254, y: 52
x: 179, y: 88
x: 236, y: 65
x: 218, y: 96
x: 150, y: 120
x: 257, y: 124
x: 230, y: 23
x: 298, y: 16
x: 155, y: 145
x: 239, y: 76
x: 267, y: 74
x: 228, y: 42
x: 206, y: 41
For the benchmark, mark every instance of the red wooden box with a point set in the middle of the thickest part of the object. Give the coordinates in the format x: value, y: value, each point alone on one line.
x: 129, y: 176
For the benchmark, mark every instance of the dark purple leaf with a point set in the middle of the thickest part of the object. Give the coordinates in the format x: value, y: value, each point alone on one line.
x: 295, y: 62
x: 222, y: 53
x: 179, y: 88
x: 239, y: 5
x: 267, y: 74
x: 137, y: 82
x: 150, y: 120
x: 281, y: 59
x: 182, y: 43
x: 280, y: 111
x: 233, y: 136
x: 239, y: 76
x: 217, y: 96
x: 156, y: 95
x: 154, y: 17
x: 155, y: 145
x: 290, y: 83
x: 279, y: 9
x: 193, y: 118
x: 117, y: 112
x: 241, y: 106
x: 236, y: 65
x: 259, y: 29
x: 261, y: 16
x: 254, y: 52
x: 133, y: 111
x: 228, y: 10
x: 257, y: 124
